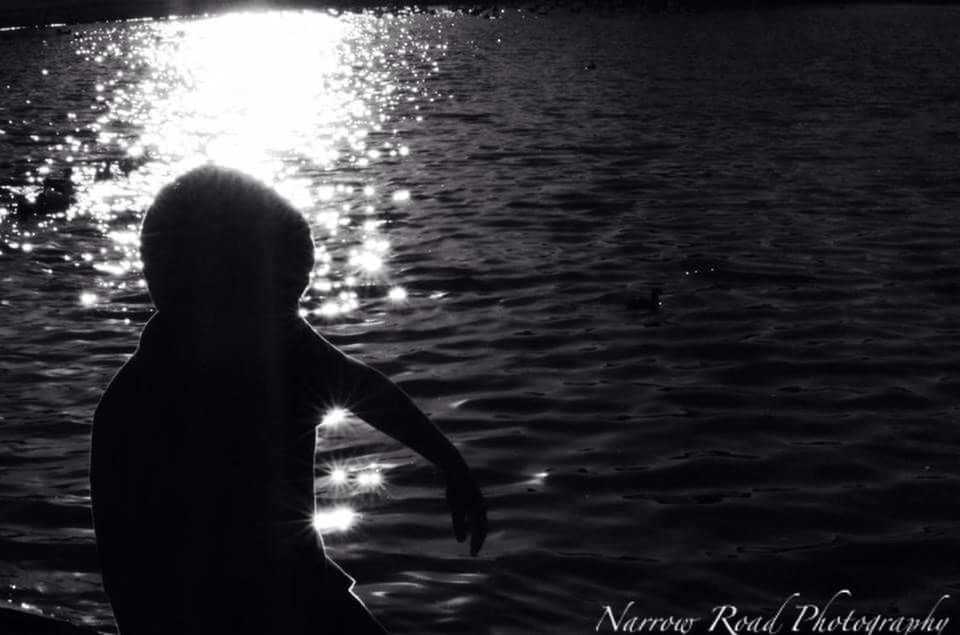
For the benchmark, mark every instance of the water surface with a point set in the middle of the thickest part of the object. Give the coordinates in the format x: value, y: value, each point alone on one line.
x: 489, y: 197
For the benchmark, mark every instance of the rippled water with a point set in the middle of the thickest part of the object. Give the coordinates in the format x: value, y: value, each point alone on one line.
x: 490, y: 199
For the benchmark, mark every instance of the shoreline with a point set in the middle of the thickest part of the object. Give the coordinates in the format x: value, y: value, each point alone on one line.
x: 64, y: 13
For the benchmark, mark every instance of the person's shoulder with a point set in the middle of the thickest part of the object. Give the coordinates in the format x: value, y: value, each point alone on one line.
x: 128, y: 382
x: 122, y: 387
x: 312, y: 348
x: 318, y: 366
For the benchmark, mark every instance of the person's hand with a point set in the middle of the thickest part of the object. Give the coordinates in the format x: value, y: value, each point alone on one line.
x: 468, y: 509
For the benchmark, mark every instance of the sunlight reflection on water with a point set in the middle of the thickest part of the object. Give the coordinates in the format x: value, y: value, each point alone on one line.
x: 786, y: 177
x: 339, y: 518
x: 301, y: 100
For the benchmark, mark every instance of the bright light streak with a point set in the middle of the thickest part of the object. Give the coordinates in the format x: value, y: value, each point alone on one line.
x: 335, y: 417
x: 328, y: 309
x: 369, y: 479
x: 336, y: 519
x: 370, y: 262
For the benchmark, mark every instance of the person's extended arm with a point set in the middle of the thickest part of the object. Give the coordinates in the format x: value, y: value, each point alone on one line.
x: 385, y: 406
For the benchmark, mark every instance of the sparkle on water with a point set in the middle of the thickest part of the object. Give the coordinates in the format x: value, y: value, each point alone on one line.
x: 397, y: 294
x: 338, y: 476
x: 339, y: 518
x: 334, y: 417
x: 539, y: 478
x: 370, y: 479
x: 303, y: 100
x: 348, y: 478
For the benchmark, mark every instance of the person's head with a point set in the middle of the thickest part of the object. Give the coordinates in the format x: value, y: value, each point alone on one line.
x: 216, y: 240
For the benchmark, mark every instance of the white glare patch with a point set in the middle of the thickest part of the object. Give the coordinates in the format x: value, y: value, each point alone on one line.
x: 112, y: 269
x: 334, y: 417
x: 328, y: 309
x: 370, y: 262
x: 336, y: 519
x: 369, y: 479
x: 397, y: 294
x: 338, y: 475
x: 88, y: 299
x: 401, y: 196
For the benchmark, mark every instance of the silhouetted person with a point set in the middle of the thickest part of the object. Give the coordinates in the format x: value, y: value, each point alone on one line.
x: 203, y: 444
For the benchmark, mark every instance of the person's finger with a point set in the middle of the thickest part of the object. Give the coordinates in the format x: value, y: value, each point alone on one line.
x: 457, y: 513
x: 478, y: 529
x: 459, y: 524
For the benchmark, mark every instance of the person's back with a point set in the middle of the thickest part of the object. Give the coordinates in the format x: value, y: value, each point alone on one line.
x: 202, y: 477
x: 203, y: 445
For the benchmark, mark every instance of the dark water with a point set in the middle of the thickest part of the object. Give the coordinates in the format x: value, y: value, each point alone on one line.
x: 786, y: 423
